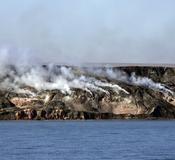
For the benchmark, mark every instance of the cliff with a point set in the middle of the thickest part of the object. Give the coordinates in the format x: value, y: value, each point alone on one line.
x: 71, y: 92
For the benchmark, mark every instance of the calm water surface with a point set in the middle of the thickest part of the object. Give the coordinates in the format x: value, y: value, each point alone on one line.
x: 87, y: 140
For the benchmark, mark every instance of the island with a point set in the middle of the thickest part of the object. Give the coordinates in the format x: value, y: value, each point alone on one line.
x: 83, y: 92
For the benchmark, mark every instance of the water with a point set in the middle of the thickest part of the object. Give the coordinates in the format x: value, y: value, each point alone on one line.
x: 87, y: 140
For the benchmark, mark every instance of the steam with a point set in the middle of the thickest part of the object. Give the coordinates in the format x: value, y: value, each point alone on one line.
x: 146, y: 82
x: 16, y: 75
x: 50, y: 77
x: 63, y: 78
x: 133, y: 79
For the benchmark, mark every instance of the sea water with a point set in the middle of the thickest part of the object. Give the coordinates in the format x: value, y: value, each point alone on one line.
x: 87, y: 140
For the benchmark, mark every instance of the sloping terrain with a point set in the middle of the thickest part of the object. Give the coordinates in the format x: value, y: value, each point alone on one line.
x: 76, y: 92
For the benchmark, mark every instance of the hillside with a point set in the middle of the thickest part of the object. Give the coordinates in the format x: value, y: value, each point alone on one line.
x: 85, y: 92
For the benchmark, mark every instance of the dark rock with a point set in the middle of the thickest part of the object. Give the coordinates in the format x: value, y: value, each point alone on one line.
x: 164, y: 110
x: 32, y: 113
x: 5, y: 103
x: 140, y: 102
x: 20, y: 115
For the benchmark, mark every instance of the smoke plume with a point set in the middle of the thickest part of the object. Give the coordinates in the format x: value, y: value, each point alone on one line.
x: 133, y: 79
x: 16, y: 74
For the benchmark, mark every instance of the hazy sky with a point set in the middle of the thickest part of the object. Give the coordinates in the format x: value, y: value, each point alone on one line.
x: 126, y: 31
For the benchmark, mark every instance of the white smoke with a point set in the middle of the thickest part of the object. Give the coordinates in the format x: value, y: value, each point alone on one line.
x: 149, y: 83
x: 16, y: 73
x: 51, y: 77
x: 133, y: 79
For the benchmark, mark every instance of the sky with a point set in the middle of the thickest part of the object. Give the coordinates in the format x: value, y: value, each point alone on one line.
x: 82, y: 31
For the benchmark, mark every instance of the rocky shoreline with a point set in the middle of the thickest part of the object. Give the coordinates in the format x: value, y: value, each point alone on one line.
x: 32, y: 114
x: 89, y: 94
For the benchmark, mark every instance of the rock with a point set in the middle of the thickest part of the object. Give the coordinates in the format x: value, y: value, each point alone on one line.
x: 7, y: 115
x: 32, y: 113
x: 43, y: 114
x: 164, y: 110
x: 5, y: 103
x: 62, y: 114
x: 49, y: 112
x: 20, y: 115
x: 89, y: 102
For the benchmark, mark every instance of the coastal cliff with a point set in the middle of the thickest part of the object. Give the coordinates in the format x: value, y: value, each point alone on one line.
x: 71, y: 92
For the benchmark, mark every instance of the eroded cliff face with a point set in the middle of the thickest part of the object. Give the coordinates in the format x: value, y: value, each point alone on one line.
x: 64, y: 92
